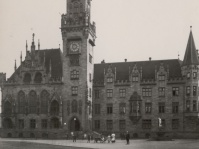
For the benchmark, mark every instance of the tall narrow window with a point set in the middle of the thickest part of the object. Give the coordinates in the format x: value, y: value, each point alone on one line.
x: 32, y: 123
x: 109, y: 124
x: 122, y: 124
x: 194, y: 90
x: 188, y: 75
x: 175, y: 91
x: 122, y: 93
x: 109, y: 108
x: 44, y: 123
x: 74, y: 90
x: 109, y: 93
x: 90, y: 77
x: 188, y: 105
x: 148, y: 107
x: 54, y: 108
x: 188, y: 91
x: 7, y: 108
x: 146, y: 124
x: 90, y: 58
x: 135, y: 78
x: 21, y: 124
x: 175, y: 123
x: 122, y: 108
x: 74, y: 106
x: 161, y: 91
x: 175, y: 106
x: 96, y: 94
x: 32, y: 102
x: 90, y: 92
x: 161, y: 107
x: 38, y: 77
x: 21, y: 102
x: 97, y: 124
x: 27, y: 78
x: 44, y: 101
x: 194, y: 75
x: 194, y: 105
x: 97, y: 109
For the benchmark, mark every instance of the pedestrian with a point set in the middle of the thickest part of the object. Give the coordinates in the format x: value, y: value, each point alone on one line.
x: 85, y: 136
x: 127, y: 137
x: 89, y: 138
x: 113, y: 138
x: 73, y: 136
x: 109, y: 139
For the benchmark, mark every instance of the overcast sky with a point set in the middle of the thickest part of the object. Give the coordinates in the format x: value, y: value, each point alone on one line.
x: 131, y: 29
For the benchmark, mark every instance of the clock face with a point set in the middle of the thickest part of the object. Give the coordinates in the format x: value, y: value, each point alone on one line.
x: 74, y: 46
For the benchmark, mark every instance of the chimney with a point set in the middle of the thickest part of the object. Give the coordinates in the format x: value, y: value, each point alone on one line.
x: 150, y: 58
x: 125, y: 60
x: 103, y: 62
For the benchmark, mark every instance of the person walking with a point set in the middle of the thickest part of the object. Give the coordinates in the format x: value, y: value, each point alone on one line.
x: 89, y: 138
x: 73, y: 136
x: 127, y: 137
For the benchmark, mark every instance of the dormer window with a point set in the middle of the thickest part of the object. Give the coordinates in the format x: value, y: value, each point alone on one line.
x: 135, y: 79
x: 109, y: 79
x: 161, y: 77
x: 27, y: 78
x: 194, y: 75
x: 188, y: 75
x: 38, y: 77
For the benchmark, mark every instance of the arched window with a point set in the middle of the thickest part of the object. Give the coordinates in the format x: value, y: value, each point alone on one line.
x: 74, y: 106
x: 32, y: 102
x: 81, y: 7
x: 7, y: 123
x: 54, y: 123
x: 21, y: 102
x: 44, y: 102
x: 27, y: 78
x: 54, y: 108
x: 38, y: 77
x: 7, y: 108
x: 76, y: 7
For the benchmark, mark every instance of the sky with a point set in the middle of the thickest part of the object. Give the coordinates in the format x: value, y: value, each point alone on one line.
x: 126, y: 29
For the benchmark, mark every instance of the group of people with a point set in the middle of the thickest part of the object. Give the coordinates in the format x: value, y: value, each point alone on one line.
x: 110, y: 138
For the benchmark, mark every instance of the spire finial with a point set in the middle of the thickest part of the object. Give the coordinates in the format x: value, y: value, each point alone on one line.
x: 178, y: 55
x: 59, y: 46
x: 21, y: 57
x: 26, y: 46
x: 33, y: 35
x: 15, y: 65
x: 191, y: 28
x: 38, y: 44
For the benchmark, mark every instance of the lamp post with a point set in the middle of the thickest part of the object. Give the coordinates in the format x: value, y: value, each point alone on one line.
x: 75, y: 124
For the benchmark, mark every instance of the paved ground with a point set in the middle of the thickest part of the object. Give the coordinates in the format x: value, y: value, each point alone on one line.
x: 120, y: 144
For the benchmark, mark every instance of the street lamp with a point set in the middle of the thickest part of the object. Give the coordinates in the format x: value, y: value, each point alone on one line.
x: 75, y: 123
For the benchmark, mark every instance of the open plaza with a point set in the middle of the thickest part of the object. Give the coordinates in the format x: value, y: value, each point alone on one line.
x: 82, y: 144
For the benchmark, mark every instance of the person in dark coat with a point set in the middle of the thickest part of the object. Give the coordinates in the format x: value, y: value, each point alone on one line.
x: 127, y: 137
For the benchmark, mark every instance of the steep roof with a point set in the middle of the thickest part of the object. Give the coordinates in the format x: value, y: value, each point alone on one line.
x: 148, y: 69
x: 53, y: 55
x: 190, y: 57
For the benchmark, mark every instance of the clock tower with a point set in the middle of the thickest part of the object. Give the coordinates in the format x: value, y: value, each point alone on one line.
x: 78, y: 35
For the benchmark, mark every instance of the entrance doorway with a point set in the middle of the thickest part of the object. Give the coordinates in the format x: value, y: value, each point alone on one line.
x: 74, y: 124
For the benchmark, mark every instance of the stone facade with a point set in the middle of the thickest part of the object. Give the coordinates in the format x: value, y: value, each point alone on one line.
x: 54, y: 93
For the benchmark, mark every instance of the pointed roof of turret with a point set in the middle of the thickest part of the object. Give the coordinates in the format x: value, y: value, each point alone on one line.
x: 191, y: 56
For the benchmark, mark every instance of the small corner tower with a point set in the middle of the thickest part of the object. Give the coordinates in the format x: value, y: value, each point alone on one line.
x: 78, y: 35
x: 190, y: 71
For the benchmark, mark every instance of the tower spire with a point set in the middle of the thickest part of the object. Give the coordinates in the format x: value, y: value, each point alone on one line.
x: 38, y: 45
x: 191, y: 57
x: 33, y: 43
x: 15, y: 66
x: 26, y: 46
x: 21, y: 57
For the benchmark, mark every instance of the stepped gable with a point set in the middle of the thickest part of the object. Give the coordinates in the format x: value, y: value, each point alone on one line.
x: 148, y: 69
x: 53, y: 55
x: 191, y: 56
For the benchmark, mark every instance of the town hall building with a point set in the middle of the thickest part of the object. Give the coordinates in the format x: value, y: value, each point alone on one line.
x: 55, y: 92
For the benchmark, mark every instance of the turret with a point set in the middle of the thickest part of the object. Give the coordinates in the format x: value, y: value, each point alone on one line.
x: 33, y: 44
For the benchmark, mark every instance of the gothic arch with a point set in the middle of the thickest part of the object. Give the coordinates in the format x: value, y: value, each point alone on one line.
x: 7, y: 123
x: 38, y: 77
x: 54, y: 123
x: 7, y: 108
x: 74, y: 106
x: 21, y: 102
x: 44, y: 98
x: 54, y: 108
x: 27, y: 78
x: 74, y: 124
x: 32, y: 102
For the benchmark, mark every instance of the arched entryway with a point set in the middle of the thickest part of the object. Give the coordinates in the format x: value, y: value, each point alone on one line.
x: 74, y: 124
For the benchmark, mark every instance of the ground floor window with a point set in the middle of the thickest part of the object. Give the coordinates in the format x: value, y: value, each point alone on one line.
x: 97, y: 124
x: 109, y: 124
x: 146, y: 124
x: 175, y: 123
